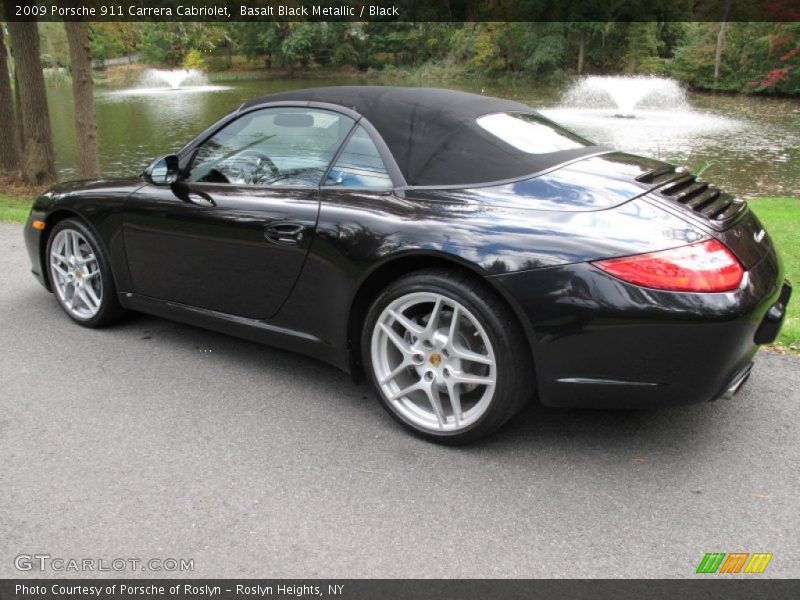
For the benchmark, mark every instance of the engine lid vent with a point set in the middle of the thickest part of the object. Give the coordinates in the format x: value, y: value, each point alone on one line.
x: 707, y: 200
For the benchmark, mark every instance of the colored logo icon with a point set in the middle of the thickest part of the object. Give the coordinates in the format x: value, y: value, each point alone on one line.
x: 734, y: 562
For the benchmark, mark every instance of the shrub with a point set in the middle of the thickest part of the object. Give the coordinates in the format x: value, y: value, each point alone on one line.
x: 344, y: 55
x: 194, y: 60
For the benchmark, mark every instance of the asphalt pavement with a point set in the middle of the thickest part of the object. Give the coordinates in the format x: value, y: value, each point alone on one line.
x: 154, y: 440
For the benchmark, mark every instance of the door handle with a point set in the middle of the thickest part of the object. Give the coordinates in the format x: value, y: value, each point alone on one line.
x: 285, y: 233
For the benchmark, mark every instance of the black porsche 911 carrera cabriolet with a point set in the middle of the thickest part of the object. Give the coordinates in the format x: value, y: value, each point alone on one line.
x: 462, y: 251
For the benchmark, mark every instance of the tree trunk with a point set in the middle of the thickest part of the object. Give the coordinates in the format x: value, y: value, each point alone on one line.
x: 581, y: 51
x: 721, y: 41
x: 18, y: 103
x: 80, y: 61
x: 38, y: 164
x: 512, y: 59
x: 9, y: 138
x: 720, y: 45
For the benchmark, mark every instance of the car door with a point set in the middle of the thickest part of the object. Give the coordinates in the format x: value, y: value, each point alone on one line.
x: 232, y: 234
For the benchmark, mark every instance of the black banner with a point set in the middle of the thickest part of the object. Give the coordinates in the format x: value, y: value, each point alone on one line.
x: 398, y: 589
x: 401, y: 10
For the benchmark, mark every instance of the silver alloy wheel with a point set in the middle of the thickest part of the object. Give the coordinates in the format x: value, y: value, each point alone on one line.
x: 75, y: 274
x: 433, y: 361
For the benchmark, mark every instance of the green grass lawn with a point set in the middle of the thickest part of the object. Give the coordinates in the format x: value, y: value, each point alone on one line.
x: 15, y: 208
x: 781, y: 217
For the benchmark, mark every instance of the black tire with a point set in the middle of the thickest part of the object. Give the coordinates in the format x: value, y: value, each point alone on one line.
x: 514, y: 369
x: 110, y: 309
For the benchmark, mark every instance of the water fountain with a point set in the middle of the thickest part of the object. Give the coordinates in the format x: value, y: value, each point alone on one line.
x: 626, y: 95
x: 175, y: 79
x: 657, y: 113
x: 160, y: 81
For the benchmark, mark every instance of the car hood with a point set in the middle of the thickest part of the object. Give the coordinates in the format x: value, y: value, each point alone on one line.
x: 97, y: 189
x: 90, y: 185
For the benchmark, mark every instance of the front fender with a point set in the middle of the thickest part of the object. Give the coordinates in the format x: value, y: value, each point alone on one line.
x: 99, y: 204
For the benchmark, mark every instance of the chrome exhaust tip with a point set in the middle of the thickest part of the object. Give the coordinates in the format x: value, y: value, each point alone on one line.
x: 736, y: 383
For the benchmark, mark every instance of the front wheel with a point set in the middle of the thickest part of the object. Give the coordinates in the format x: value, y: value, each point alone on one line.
x: 80, y: 275
x: 446, y: 356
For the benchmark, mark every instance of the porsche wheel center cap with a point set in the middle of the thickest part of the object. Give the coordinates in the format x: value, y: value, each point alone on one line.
x: 435, y: 359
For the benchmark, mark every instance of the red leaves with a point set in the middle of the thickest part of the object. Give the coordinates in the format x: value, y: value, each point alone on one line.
x: 774, y: 77
x: 790, y: 54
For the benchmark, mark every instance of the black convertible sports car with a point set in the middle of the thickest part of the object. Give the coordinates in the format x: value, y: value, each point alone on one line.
x: 464, y: 252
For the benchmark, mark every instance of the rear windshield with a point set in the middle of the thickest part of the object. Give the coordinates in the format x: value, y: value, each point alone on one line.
x: 531, y: 133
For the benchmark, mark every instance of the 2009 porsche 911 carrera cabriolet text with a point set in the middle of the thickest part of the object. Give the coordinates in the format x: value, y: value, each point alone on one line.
x: 463, y: 252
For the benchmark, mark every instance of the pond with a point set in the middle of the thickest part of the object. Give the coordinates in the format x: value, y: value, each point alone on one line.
x: 748, y: 145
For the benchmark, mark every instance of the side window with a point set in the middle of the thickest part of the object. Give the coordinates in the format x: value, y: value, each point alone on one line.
x: 359, y: 164
x: 284, y: 146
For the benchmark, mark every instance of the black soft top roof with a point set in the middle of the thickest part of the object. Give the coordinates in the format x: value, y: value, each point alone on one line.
x: 433, y: 134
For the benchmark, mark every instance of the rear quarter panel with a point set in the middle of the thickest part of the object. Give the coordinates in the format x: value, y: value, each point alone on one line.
x: 359, y: 232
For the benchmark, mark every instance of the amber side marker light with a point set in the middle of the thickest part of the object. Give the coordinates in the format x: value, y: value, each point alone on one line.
x: 36, y: 224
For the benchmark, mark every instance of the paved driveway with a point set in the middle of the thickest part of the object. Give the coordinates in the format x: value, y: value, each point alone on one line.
x: 158, y: 440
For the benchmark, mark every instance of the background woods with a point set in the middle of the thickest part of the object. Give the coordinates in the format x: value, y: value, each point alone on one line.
x: 750, y: 58
x: 735, y: 57
x: 745, y: 139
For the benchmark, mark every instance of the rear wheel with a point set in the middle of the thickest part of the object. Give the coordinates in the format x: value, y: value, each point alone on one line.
x: 80, y: 275
x: 446, y: 356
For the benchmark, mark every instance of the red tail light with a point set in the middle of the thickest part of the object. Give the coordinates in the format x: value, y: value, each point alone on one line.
x: 703, y: 267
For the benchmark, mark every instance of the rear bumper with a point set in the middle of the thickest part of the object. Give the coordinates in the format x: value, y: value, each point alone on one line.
x: 602, y: 343
x: 773, y: 319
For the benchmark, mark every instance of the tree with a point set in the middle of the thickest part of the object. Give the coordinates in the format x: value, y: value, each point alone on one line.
x: 721, y: 42
x: 80, y: 62
x: 194, y: 60
x: 585, y: 31
x: 757, y: 57
x: 258, y: 40
x: 165, y: 42
x: 484, y: 48
x: 298, y: 44
x: 106, y: 41
x: 53, y: 44
x: 9, y: 140
x: 779, y: 64
x: 718, y: 53
x: 38, y: 164
x: 344, y: 55
x: 642, y: 44
x: 544, y: 46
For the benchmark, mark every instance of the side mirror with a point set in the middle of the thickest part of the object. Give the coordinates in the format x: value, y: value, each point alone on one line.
x: 163, y: 171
